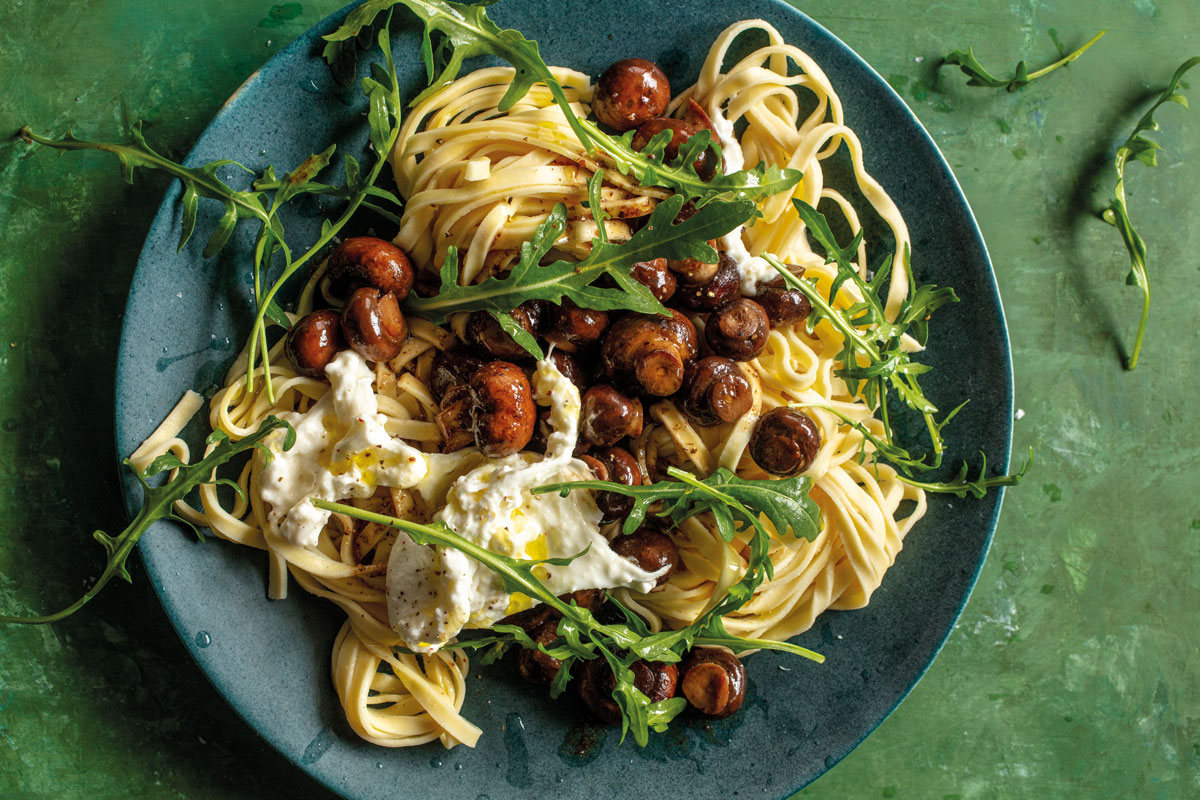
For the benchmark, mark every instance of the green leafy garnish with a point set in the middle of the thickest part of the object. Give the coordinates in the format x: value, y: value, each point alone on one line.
x: 468, y: 32
x: 659, y: 237
x: 267, y: 195
x: 873, y: 361
x: 961, y: 485
x: 734, y: 502
x: 1140, y: 148
x: 979, y: 76
x: 159, y: 503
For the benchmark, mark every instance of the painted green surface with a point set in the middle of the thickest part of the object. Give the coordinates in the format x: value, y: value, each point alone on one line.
x: 1075, y: 671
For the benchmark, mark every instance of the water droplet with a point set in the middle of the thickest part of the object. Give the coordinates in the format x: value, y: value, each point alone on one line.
x: 435, y: 762
x: 483, y: 797
x: 458, y: 766
x: 379, y: 764
x: 203, y: 639
x: 829, y: 762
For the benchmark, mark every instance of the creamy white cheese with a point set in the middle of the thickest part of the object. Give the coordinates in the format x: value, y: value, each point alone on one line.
x: 754, y: 270
x: 433, y: 593
x: 342, y: 450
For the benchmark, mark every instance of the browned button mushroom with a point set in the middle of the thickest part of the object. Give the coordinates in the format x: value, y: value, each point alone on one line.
x: 485, y: 331
x: 784, y: 306
x: 618, y: 465
x: 596, y: 683
x: 314, y: 341
x: 630, y: 92
x: 368, y: 261
x: 680, y: 132
x: 698, y: 118
x: 570, y: 368
x: 655, y: 276
x: 649, y: 353
x: 454, y: 420
x: 785, y: 442
x: 575, y: 328
x: 649, y: 549
x: 714, y: 681
x: 607, y: 416
x: 451, y: 367
x: 504, y: 410
x: 738, y: 330
x: 534, y: 665
x: 373, y: 324
x: 718, y: 290
x: 716, y: 391
x: 692, y: 272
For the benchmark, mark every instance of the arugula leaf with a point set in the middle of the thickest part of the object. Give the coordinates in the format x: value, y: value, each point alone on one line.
x: 660, y: 237
x: 469, y: 32
x: 159, y: 502
x: 1140, y: 148
x: 873, y: 360
x: 581, y: 635
x: 197, y: 182
x: 736, y: 505
x: 966, y: 61
x: 961, y: 485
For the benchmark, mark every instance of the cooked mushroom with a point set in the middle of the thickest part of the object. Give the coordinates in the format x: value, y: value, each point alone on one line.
x: 570, y: 368
x: 504, y: 413
x: 574, y: 328
x: 606, y: 416
x: 485, y: 331
x: 373, y: 324
x: 648, y: 353
x: 452, y: 366
x: 716, y: 391
x: 717, y: 290
x: 655, y: 276
x: 368, y: 261
x: 534, y: 665
x: 738, y: 329
x: 785, y: 442
x: 618, y: 465
x: 784, y: 306
x: 714, y: 681
x: 314, y: 341
x: 630, y: 92
x: 694, y: 273
x: 455, y: 420
x: 650, y: 549
x: 596, y: 683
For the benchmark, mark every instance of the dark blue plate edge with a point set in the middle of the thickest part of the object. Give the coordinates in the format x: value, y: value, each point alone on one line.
x: 305, y: 42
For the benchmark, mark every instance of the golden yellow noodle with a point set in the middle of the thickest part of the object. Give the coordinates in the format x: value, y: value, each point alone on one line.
x: 482, y: 181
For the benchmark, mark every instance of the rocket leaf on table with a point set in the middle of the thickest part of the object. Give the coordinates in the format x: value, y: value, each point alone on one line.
x: 159, y: 503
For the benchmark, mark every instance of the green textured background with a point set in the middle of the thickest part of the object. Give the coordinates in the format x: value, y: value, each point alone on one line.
x: 1075, y: 670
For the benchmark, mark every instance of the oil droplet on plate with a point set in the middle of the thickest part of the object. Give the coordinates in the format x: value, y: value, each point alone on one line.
x: 203, y: 639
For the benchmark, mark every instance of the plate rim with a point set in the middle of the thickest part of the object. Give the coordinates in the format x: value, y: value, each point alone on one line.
x: 299, y: 48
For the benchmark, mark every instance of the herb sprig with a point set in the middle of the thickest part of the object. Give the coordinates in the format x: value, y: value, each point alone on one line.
x: 159, y: 503
x: 1143, y: 149
x: 468, y: 32
x: 966, y: 61
x: 735, y: 503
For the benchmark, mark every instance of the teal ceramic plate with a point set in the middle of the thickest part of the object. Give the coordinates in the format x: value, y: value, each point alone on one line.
x: 270, y: 660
